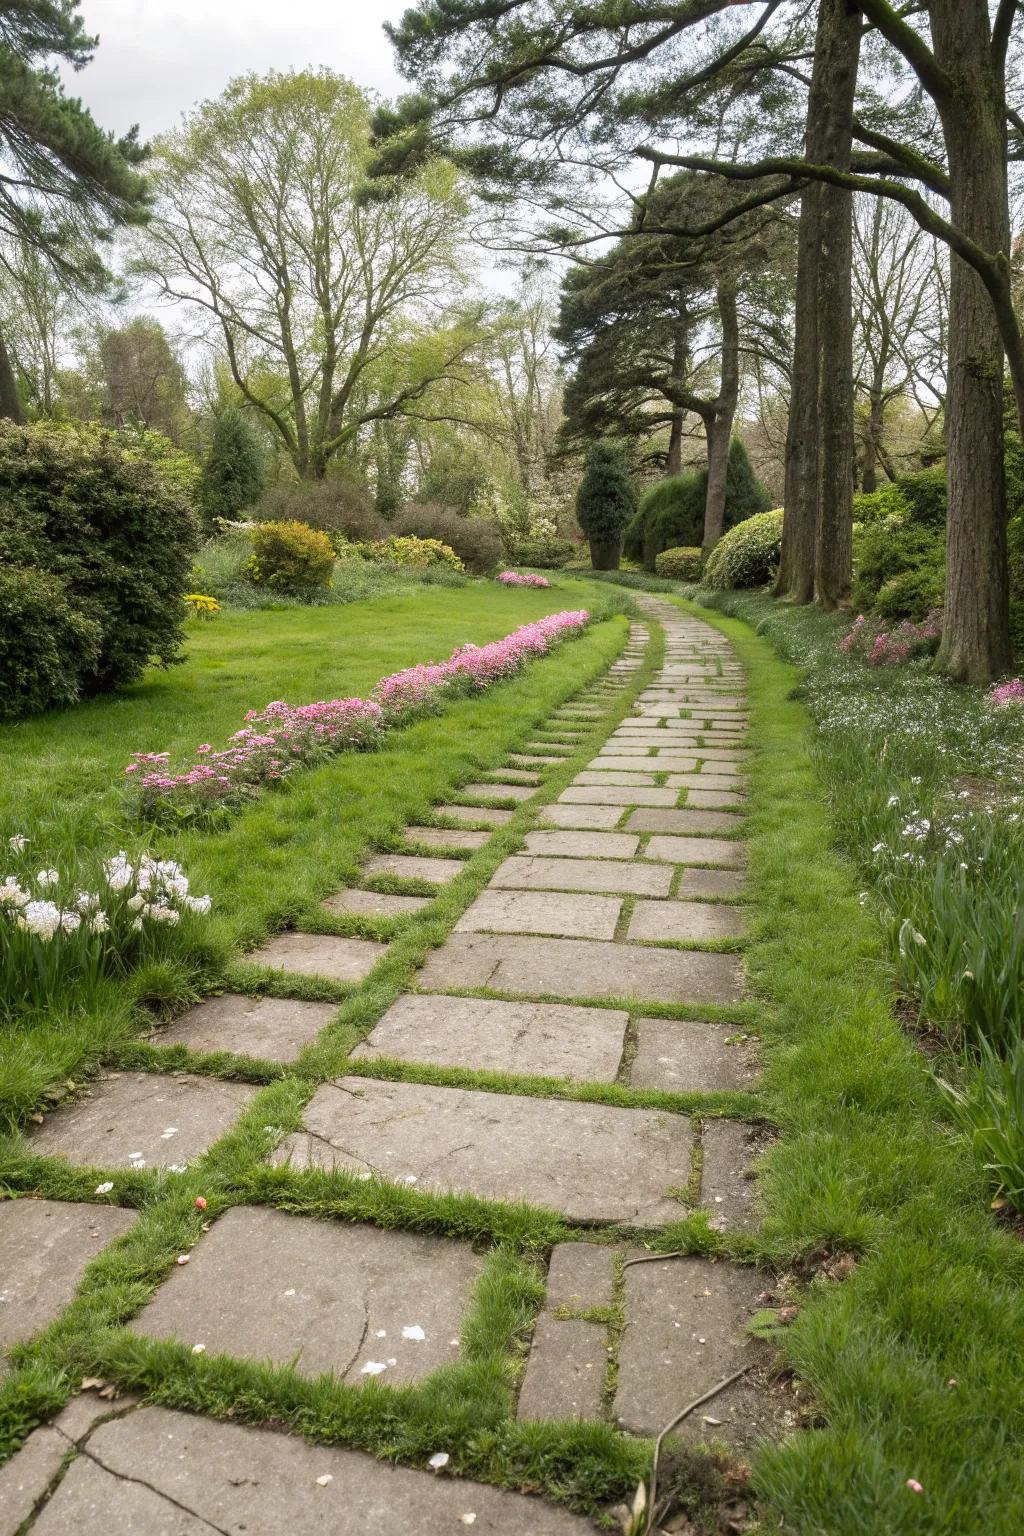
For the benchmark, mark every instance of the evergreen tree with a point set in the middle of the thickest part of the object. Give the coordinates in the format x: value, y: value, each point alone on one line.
x: 605, y: 502
x: 233, y: 468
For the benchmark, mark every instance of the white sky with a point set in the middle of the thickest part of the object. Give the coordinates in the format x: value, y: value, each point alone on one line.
x: 156, y: 58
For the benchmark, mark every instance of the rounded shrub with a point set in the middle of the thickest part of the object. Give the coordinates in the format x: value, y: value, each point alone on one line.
x: 682, y: 564
x: 291, y: 557
x: 410, y: 551
x: 476, y: 540
x: 748, y: 555
x: 337, y: 507
x: 889, y: 550
x: 547, y: 554
x: 44, y: 642
x: 605, y: 503
x: 107, y: 523
x: 912, y: 594
x: 924, y: 493
x: 670, y: 516
x: 873, y: 506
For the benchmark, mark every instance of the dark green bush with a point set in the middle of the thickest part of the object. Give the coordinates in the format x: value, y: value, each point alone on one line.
x: 233, y: 468
x: 873, y: 506
x: 605, y: 503
x: 476, y: 540
x: 748, y: 555
x: 887, y: 550
x: 671, y: 514
x: 82, y: 508
x: 925, y: 495
x: 912, y: 594
x: 45, y: 641
x: 339, y: 508
x: 544, y: 554
x: 291, y: 557
x: 680, y: 564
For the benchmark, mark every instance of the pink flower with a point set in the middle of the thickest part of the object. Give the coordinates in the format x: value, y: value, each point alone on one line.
x: 914, y: 1485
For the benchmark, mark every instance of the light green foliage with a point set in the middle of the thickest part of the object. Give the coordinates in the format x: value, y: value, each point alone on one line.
x: 291, y: 558
x: 748, y: 555
x: 412, y: 551
x: 876, y: 506
x: 680, y: 564
x: 899, y: 568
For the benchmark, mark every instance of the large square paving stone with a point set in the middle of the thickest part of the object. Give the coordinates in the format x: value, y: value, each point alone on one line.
x: 487, y: 1035
x: 618, y: 876
x: 330, y: 1297
x: 319, y: 954
x: 559, y: 913
x: 591, y: 1162
x: 581, y: 968
x: 200, y: 1475
x: 164, y: 1120
x: 45, y: 1246
x: 273, y: 1028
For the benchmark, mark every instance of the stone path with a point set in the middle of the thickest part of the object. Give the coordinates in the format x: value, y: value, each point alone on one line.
x: 605, y: 951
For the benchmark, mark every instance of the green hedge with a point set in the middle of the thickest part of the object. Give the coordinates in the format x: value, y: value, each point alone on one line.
x: 748, y: 555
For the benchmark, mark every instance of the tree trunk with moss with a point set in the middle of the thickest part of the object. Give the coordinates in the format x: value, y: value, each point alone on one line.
x: 10, y: 399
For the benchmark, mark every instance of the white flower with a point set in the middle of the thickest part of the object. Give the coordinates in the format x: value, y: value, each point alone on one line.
x: 135, y: 903
x: 41, y: 918
x: 11, y: 893
x: 87, y: 901
x: 70, y: 921
x: 98, y: 923
x: 137, y: 925
x: 878, y: 848
x: 199, y: 903
x: 119, y: 872
x: 47, y: 877
x: 177, y: 887
x: 19, y: 843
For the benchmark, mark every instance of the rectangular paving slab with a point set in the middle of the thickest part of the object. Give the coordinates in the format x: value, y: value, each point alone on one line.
x: 319, y: 954
x: 629, y: 777
x: 409, y: 866
x: 550, y: 912
x: 637, y: 766
x: 728, y: 1185
x: 684, y: 822
x: 696, y: 850
x: 45, y: 1246
x: 272, y: 1028
x: 591, y: 794
x: 566, y: 1370
x: 710, y: 884
x: 686, y: 1329
x: 592, y: 1162
x: 143, y: 1119
x: 489, y: 815
x: 580, y: 1276
x: 692, y: 1056
x: 354, y: 1302
x: 585, y: 817
x: 486, y: 1035
x: 375, y: 903
x: 615, y: 876
x: 576, y: 968
x: 583, y: 844
x: 684, y: 922
x: 199, y: 1476
x: 446, y: 837
x: 497, y: 791
x: 715, y: 799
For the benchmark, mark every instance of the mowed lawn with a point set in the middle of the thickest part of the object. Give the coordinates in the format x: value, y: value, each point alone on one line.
x: 62, y: 774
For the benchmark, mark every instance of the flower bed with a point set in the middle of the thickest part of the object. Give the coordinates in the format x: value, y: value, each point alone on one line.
x: 881, y: 647
x: 280, y: 738
x: 514, y: 579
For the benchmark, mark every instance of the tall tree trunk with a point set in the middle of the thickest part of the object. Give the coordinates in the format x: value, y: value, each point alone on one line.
x: 719, y: 427
x: 674, y: 461
x: 680, y: 357
x: 976, y: 638
x: 819, y: 378
x: 873, y: 438
x: 10, y: 400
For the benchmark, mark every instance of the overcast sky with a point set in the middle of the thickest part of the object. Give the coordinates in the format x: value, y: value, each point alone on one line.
x: 156, y: 58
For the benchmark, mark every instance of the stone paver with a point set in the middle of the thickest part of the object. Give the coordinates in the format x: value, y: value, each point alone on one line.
x: 498, y: 791
x: 547, y: 912
x: 709, y: 884
x: 566, y: 1370
x: 728, y: 1187
x: 691, y: 1056
x: 626, y: 779
x: 715, y: 800
x: 45, y: 1246
x: 583, y: 845
x: 638, y: 766
x: 319, y: 954
x: 272, y: 1028
x: 409, y: 866
x: 683, y: 922
x: 446, y: 837
x: 702, y: 780
x: 26, y: 1477
x: 581, y: 1276
x: 143, y: 1119
x: 592, y: 794
x: 326, y: 1296
x: 695, y: 850
x: 581, y: 968
x: 585, y: 817
x: 375, y: 903
x: 591, y: 1162
x: 490, y: 815
x: 201, y: 1476
x: 617, y: 876
x: 686, y: 1322
x: 487, y: 1035
x: 684, y: 822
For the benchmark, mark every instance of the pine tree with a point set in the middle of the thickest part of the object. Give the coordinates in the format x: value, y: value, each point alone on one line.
x: 233, y: 469
x: 605, y: 502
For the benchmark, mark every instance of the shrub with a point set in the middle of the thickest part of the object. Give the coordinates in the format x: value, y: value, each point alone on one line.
x: 408, y: 550
x: 517, y: 579
x: 873, y: 506
x: 605, y: 502
x: 924, y: 493
x: 336, y: 507
x: 680, y: 564
x: 887, y: 550
x: 912, y: 594
x: 103, y: 520
x: 748, y: 555
x: 476, y: 540
x: 671, y: 514
x: 44, y: 640
x: 233, y: 468
x: 291, y: 557
x: 549, y: 554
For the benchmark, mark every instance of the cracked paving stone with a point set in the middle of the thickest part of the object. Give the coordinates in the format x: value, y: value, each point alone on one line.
x: 692, y: 1056
x: 158, y: 1472
x: 319, y: 954
x: 143, y: 1119
x: 686, y: 1329
x: 530, y: 1039
x: 581, y: 968
x: 616, y: 876
x: 547, y: 912
x: 45, y: 1246
x: 591, y: 1162
x: 565, y: 1372
x: 327, y: 1296
x: 271, y: 1028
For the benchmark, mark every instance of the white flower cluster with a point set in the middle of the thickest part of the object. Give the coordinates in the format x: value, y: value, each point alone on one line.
x: 149, y: 891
